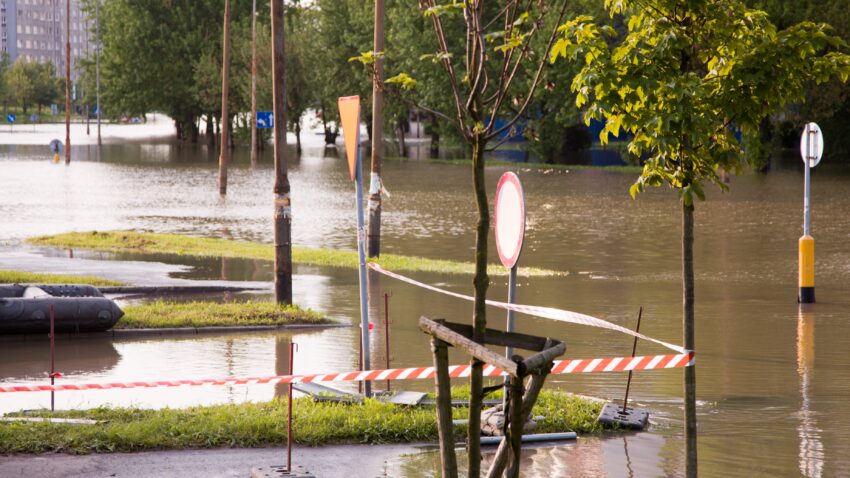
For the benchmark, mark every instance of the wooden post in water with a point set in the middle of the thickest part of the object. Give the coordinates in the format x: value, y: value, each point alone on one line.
x: 254, y: 83
x: 445, y: 430
x: 224, y: 159
x: 68, y: 82
x: 375, y: 185
x: 97, y: 64
x: 282, y: 205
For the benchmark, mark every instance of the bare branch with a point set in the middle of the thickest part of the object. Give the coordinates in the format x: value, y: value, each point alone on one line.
x: 544, y: 58
x: 447, y: 64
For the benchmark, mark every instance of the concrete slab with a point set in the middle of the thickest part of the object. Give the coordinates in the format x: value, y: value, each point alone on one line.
x: 297, y: 471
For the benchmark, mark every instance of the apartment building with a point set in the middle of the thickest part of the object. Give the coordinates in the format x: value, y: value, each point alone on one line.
x: 35, y: 30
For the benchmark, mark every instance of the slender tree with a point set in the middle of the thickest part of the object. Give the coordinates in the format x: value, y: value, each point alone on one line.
x: 684, y: 76
x: 254, y: 145
x: 282, y: 202
x: 68, y: 82
x: 374, y: 230
x: 494, y: 72
x: 224, y: 125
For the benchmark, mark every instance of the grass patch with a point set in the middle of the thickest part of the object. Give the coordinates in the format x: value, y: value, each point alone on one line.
x: 262, y: 424
x: 164, y: 314
x: 146, y: 242
x: 19, y: 277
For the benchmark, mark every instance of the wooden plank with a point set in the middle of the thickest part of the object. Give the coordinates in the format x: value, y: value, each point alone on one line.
x: 503, y: 339
x: 406, y: 398
x: 445, y: 430
x: 323, y: 393
x: 555, y: 349
x: 479, y: 351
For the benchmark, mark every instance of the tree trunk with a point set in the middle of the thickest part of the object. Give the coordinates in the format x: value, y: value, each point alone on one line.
x: 688, y: 332
x: 374, y: 229
x: 210, y: 132
x: 298, y: 137
x: 282, y: 204
x: 435, y: 138
x: 224, y: 159
x: 254, y: 147
x: 402, y: 146
x: 481, y: 282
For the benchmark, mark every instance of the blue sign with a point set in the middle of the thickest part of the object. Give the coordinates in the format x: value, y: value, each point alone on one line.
x: 265, y: 119
x: 11, y: 117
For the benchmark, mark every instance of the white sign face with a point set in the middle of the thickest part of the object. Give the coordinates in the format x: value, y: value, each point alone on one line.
x: 811, y: 144
x: 510, y: 219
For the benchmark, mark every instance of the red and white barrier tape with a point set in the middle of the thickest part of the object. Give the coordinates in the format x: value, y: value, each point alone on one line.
x: 611, y: 364
x: 545, y: 312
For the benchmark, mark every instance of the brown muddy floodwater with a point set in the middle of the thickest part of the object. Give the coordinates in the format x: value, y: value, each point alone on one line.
x: 773, y: 381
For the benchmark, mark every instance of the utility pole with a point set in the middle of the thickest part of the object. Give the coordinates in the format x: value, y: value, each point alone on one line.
x: 224, y: 124
x: 375, y: 185
x: 97, y: 64
x: 254, y: 83
x: 282, y: 204
x: 67, y: 81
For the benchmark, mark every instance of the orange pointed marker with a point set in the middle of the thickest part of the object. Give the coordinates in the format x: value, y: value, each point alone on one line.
x: 349, y: 114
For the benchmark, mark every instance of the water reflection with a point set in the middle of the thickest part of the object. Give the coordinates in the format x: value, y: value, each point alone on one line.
x: 811, y: 447
x: 29, y: 359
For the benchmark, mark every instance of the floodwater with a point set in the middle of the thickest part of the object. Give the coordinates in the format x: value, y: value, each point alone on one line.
x: 772, y: 376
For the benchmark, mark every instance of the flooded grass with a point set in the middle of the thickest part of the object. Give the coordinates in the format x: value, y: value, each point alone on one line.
x: 167, y: 314
x: 146, y: 242
x: 261, y: 425
x: 20, y: 277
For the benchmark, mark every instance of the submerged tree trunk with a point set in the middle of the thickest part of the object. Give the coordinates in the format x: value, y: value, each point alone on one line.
x: 481, y: 282
x: 298, y: 137
x: 402, y: 146
x: 688, y: 333
x: 434, y: 151
x: 224, y: 159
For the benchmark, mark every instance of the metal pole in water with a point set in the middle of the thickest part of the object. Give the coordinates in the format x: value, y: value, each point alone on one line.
x: 387, y: 331
x: 52, y: 356
x: 811, y: 151
x: 634, y: 350
x: 361, y: 251
x: 292, y: 347
x: 509, y: 351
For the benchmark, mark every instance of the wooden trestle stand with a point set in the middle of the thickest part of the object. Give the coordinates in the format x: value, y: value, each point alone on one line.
x: 520, y: 403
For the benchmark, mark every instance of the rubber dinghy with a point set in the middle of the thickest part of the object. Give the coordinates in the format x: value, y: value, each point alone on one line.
x: 25, y: 308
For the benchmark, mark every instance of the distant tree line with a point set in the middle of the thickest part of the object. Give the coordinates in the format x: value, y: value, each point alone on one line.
x: 28, y: 84
x: 165, y: 55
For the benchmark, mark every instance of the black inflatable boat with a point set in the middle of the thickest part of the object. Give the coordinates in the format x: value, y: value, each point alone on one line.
x: 25, y: 308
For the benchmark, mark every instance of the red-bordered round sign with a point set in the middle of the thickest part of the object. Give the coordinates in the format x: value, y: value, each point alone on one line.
x: 509, y: 219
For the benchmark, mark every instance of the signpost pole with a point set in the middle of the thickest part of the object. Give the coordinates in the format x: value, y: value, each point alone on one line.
x: 349, y: 113
x: 361, y: 252
x: 811, y: 149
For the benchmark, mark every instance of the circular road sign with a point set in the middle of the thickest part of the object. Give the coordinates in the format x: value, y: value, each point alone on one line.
x: 811, y: 144
x: 509, y: 219
x: 11, y: 118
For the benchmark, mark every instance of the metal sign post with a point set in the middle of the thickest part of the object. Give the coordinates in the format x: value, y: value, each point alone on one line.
x: 510, y: 230
x: 11, y: 118
x: 811, y: 151
x: 349, y: 113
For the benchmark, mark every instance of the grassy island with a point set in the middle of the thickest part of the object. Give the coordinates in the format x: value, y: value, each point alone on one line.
x: 20, y: 277
x: 167, y: 314
x: 262, y: 424
x: 151, y: 243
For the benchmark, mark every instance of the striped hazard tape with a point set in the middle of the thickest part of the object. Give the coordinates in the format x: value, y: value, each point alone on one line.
x: 544, y: 312
x: 612, y: 364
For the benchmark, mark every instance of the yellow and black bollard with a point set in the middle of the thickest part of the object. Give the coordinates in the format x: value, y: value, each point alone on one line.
x: 807, y: 270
